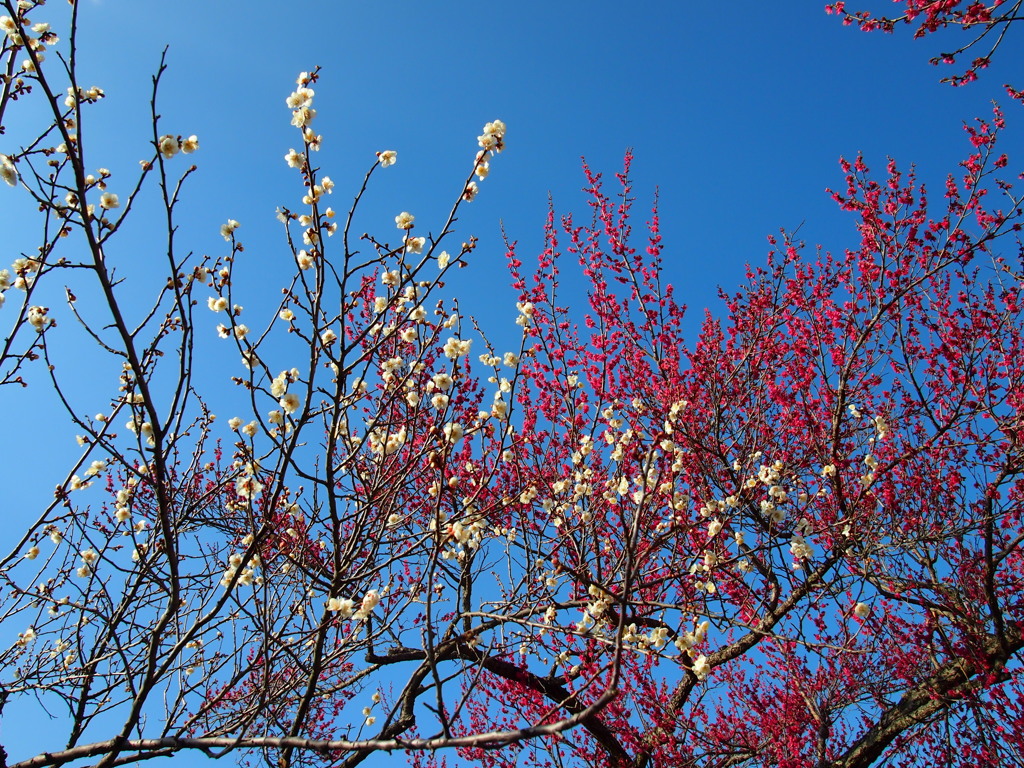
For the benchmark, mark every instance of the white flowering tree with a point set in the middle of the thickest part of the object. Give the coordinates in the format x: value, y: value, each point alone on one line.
x: 324, y: 576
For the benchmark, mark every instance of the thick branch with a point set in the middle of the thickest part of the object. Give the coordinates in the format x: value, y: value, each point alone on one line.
x: 954, y: 679
x: 546, y: 686
x: 159, y: 747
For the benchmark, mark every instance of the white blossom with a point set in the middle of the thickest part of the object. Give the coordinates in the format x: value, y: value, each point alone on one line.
x: 7, y: 170
x: 455, y: 348
x: 701, y: 667
x: 228, y: 230
x: 168, y: 146
x: 301, y: 97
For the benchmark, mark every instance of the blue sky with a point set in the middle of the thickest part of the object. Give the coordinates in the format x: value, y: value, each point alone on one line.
x: 736, y: 112
x: 737, y: 116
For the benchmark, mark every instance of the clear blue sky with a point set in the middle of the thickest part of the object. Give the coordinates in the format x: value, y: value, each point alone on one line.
x: 736, y: 111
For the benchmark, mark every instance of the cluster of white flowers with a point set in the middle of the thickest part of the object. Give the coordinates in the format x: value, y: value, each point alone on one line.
x: 60, y: 645
x: 769, y: 475
x: 453, y: 432
x: 392, y: 368
x: 644, y: 642
x: 317, y: 191
x: 799, y: 547
x: 25, y: 271
x: 880, y: 424
x: 370, y: 601
x: 455, y: 348
x: 217, y: 303
x: 249, y: 430
x: 247, y: 484
x: 239, y: 331
x: 467, y: 533
x: 601, y: 602
x: 687, y: 642
x: 300, y: 97
x: 247, y: 577
x: 499, y: 409
x: 95, y: 468
x: 227, y: 231
x: 89, y: 559
x: 526, y: 311
x: 38, y: 318
x: 83, y: 95
x: 289, y: 401
x: 345, y: 607
x: 169, y: 145
x: 137, y: 424
x: 370, y: 719
x: 701, y: 668
x: 881, y: 427
x: 442, y: 381
x: 26, y: 637
x: 300, y: 101
x: 11, y: 29
x: 385, y: 443
x: 492, y: 139
x: 869, y: 477
x: 123, y: 499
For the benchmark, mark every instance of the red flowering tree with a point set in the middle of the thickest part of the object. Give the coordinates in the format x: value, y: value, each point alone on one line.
x: 985, y: 24
x: 794, y: 541
x: 805, y: 527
